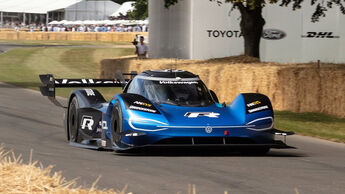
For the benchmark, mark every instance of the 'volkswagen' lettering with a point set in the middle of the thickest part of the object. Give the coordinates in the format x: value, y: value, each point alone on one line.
x: 84, y: 81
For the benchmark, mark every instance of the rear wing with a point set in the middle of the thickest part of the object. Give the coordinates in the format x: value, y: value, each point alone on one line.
x: 50, y: 83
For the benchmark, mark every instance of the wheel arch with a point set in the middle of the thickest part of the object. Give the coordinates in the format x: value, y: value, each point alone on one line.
x: 250, y: 106
x: 85, y: 100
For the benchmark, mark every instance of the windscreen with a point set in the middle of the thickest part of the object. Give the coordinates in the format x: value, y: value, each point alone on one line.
x: 180, y: 93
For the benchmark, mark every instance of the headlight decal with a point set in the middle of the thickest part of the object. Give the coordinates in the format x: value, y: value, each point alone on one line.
x: 154, y: 124
x: 260, y: 124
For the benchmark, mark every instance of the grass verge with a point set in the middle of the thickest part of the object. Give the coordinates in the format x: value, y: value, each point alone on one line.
x: 22, y: 66
x: 312, y: 124
x: 18, y: 177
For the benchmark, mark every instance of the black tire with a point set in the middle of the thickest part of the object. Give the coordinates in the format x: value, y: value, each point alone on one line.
x: 116, y: 125
x: 255, y: 151
x: 73, y: 121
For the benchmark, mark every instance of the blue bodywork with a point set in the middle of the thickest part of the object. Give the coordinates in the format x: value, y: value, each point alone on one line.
x: 172, y: 123
x: 163, y: 108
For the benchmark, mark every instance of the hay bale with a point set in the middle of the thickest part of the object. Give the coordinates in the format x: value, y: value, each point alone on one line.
x: 11, y: 35
x: 71, y: 36
x: 18, y: 177
x: 104, y: 37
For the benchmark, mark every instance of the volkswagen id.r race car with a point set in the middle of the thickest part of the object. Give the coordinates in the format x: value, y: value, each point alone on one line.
x: 163, y: 108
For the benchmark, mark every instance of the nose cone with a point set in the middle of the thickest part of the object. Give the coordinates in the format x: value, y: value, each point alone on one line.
x: 198, y: 116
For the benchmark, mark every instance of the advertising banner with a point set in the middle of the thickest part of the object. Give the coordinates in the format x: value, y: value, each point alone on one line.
x: 203, y: 29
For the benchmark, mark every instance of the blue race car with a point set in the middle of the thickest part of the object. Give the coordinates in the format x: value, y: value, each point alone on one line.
x: 164, y: 108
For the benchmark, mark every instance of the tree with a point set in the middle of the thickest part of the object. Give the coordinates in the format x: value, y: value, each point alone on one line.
x: 252, y: 21
x: 140, y: 11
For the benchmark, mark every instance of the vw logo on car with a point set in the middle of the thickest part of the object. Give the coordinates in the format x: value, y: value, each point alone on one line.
x: 208, y: 129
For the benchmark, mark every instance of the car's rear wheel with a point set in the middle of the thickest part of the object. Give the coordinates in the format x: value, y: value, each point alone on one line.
x: 73, y: 123
x: 116, y: 125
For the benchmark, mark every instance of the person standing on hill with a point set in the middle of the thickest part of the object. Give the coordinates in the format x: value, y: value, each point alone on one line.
x: 141, y: 49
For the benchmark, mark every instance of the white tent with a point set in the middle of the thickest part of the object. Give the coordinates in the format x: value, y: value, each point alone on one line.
x: 54, y: 22
x: 125, y: 7
x: 91, y: 10
x: 53, y: 5
x: 72, y: 10
x: 34, y: 6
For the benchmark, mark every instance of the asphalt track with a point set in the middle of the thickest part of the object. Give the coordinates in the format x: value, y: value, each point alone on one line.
x: 30, y: 121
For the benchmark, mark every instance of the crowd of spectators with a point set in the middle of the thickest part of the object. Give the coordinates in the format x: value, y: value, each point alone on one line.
x: 95, y: 28
x: 79, y: 28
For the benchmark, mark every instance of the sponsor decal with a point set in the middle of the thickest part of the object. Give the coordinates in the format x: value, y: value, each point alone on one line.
x: 319, y: 35
x: 89, y: 92
x: 201, y: 114
x: 224, y: 33
x: 208, y: 129
x: 253, y: 103
x: 178, y: 82
x: 142, y: 109
x: 258, y: 109
x: 273, y: 34
x: 143, y: 104
x: 137, y: 102
x: 168, y: 70
x: 103, y: 124
x: 87, y: 122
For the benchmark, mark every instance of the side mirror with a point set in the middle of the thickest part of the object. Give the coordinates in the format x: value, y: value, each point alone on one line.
x: 214, y: 96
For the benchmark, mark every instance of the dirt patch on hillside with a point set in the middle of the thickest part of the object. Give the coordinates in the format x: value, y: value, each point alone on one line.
x: 306, y: 87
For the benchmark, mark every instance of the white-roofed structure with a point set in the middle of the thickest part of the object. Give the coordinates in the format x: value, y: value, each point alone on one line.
x: 124, y: 9
x: 35, y: 6
x: 29, y: 11
x: 91, y: 10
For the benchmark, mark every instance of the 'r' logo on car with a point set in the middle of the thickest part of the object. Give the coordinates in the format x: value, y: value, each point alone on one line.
x: 87, y: 121
x: 201, y: 114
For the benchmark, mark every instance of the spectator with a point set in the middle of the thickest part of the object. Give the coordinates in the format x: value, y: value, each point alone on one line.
x: 144, y: 28
x: 141, y: 49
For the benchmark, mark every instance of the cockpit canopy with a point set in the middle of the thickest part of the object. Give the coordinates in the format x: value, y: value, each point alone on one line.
x: 175, y: 87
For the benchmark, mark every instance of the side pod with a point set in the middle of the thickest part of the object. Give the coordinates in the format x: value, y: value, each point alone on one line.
x: 87, y: 97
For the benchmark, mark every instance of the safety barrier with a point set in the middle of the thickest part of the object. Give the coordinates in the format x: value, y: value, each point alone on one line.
x: 71, y: 36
